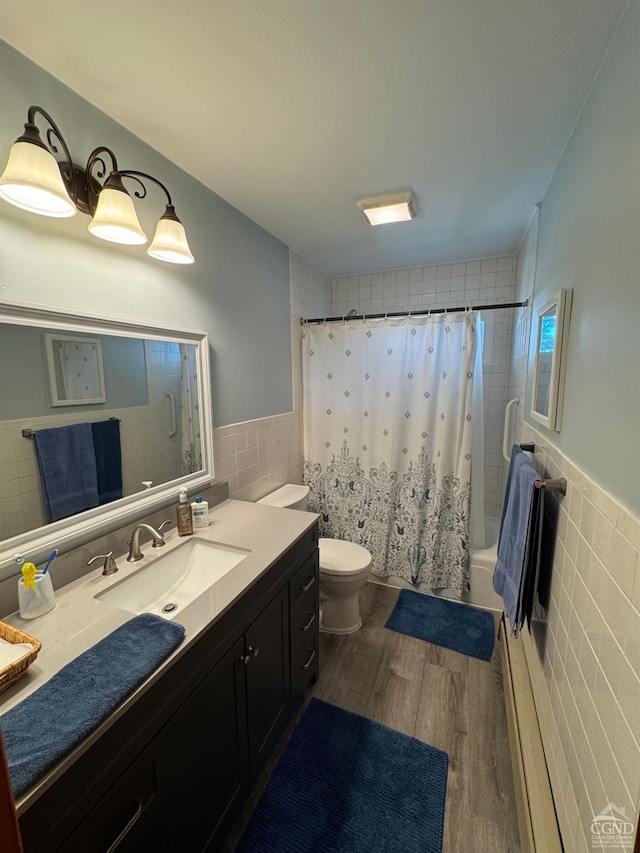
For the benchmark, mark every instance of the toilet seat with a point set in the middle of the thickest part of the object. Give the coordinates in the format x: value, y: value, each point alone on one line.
x: 341, y: 558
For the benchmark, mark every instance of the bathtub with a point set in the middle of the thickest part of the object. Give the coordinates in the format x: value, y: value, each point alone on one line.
x: 482, y: 562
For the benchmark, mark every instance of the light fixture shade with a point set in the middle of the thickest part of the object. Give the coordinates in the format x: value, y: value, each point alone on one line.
x: 115, y: 217
x: 170, y: 241
x: 32, y: 181
x: 383, y: 209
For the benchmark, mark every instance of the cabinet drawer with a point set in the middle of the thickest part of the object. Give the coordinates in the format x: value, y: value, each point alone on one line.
x: 304, y: 616
x: 304, y: 663
x: 304, y: 580
x: 124, y: 818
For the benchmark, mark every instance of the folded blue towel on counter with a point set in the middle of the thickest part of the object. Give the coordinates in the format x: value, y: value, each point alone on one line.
x: 67, y: 469
x: 518, y: 549
x: 56, y: 717
x: 106, y: 445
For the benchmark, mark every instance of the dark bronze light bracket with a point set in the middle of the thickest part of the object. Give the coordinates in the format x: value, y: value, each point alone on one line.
x: 83, y: 183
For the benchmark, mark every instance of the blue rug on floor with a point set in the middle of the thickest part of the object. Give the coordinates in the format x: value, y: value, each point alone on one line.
x: 345, y: 784
x: 460, y: 627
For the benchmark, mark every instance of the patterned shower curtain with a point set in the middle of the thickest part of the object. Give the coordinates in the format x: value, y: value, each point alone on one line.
x: 190, y: 414
x: 387, y: 441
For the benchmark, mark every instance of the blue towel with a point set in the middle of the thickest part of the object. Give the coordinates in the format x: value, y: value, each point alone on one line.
x: 67, y: 469
x: 106, y: 445
x: 56, y: 717
x: 518, y: 545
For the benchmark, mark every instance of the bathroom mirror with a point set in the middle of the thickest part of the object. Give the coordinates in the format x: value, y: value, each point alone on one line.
x: 153, y: 381
x: 550, y: 360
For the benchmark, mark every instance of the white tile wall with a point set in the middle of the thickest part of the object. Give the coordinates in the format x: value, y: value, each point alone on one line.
x: 257, y: 456
x: 479, y: 282
x: 587, y: 681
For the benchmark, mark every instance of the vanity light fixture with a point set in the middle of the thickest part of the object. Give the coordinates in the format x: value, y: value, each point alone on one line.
x: 35, y: 181
x: 393, y: 207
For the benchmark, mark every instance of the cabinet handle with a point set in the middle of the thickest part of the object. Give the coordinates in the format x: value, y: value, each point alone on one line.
x: 252, y: 652
x: 127, y: 829
x: 309, y: 585
x: 309, y: 623
x: 308, y: 663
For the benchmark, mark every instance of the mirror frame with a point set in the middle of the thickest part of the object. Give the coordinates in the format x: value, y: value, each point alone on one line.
x: 553, y: 419
x: 75, y: 530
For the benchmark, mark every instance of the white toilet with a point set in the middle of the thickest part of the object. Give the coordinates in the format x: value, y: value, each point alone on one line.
x: 344, y: 569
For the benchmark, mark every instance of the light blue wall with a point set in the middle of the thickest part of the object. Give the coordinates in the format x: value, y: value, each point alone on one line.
x: 237, y: 291
x: 24, y: 377
x: 589, y: 240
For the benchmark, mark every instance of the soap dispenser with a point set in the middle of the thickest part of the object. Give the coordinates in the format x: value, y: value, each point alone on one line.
x: 184, y: 515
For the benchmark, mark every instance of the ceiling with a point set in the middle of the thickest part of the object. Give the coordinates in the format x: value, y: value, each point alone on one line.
x: 291, y: 110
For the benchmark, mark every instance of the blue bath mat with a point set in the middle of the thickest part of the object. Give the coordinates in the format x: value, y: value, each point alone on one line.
x: 348, y: 785
x: 444, y: 623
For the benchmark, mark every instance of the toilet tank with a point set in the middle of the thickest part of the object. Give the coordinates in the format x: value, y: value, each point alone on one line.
x: 289, y: 496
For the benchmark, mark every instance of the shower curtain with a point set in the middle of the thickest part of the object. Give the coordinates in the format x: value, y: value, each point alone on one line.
x: 387, y: 441
x: 190, y: 414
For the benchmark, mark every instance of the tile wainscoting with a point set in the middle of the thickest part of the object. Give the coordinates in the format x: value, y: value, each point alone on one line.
x: 586, y: 672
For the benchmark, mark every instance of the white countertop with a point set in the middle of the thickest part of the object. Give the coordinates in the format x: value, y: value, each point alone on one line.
x: 78, y: 620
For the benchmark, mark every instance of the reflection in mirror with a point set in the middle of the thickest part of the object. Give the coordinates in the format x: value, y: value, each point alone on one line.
x: 76, y: 376
x: 148, y: 428
x: 550, y: 360
x: 546, y: 346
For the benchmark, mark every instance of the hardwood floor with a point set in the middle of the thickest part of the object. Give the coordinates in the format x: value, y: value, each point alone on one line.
x: 446, y: 699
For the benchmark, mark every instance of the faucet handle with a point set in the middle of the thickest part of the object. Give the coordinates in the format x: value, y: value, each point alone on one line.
x: 158, y: 543
x: 109, y: 566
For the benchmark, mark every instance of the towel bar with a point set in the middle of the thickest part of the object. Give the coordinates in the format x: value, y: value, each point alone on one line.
x: 559, y: 485
x: 28, y: 433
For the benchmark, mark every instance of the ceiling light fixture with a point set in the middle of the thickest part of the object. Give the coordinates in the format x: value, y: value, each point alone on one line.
x: 393, y: 207
x: 35, y: 181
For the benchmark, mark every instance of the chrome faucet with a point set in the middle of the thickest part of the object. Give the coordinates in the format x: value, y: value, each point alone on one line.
x: 135, y: 553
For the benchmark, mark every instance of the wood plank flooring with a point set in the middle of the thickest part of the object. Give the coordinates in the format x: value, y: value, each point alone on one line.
x: 446, y: 699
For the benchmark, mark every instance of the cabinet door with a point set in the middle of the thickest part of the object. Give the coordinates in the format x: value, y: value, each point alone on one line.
x: 204, y: 768
x: 268, y: 679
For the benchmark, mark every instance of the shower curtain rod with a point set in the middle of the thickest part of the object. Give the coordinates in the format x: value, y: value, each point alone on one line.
x: 420, y: 312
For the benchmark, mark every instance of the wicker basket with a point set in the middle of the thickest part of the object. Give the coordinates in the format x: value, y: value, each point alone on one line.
x: 13, y: 671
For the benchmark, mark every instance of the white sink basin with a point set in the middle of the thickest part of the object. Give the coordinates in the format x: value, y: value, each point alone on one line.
x: 175, y: 579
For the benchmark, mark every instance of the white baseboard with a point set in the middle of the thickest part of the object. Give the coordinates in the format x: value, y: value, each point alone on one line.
x: 539, y: 831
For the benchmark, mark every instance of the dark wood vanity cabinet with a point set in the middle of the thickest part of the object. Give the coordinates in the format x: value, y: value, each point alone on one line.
x: 174, y: 772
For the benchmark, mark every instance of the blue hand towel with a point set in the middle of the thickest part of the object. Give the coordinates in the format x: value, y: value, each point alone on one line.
x: 56, y: 717
x: 517, y: 545
x: 67, y: 469
x: 106, y: 445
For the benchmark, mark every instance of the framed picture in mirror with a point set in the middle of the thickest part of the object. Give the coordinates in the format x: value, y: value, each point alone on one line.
x: 76, y: 374
x: 550, y: 359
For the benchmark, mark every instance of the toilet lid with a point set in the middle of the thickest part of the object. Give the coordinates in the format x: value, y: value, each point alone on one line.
x: 338, y: 557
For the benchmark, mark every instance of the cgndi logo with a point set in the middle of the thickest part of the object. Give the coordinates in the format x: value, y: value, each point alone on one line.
x: 611, y: 829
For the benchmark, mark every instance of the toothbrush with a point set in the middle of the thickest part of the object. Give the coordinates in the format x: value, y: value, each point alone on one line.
x: 52, y: 557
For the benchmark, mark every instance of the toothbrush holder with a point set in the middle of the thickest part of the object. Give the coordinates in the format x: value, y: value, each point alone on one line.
x: 36, y: 602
